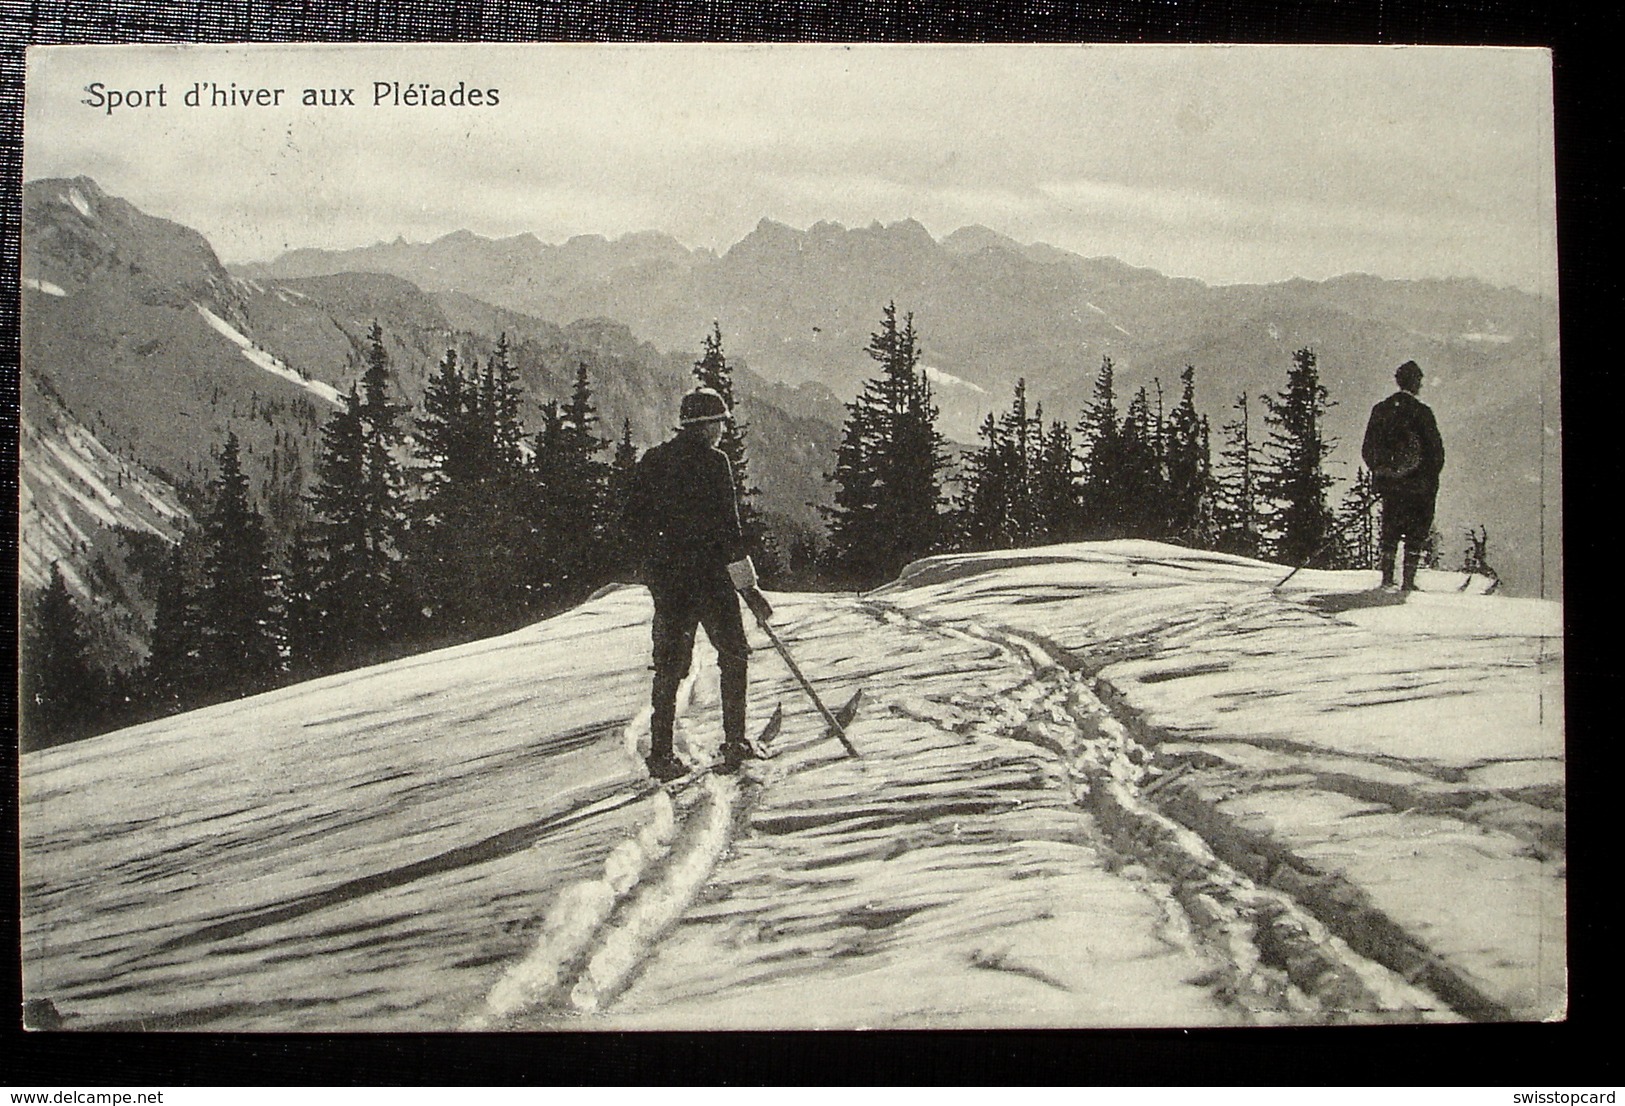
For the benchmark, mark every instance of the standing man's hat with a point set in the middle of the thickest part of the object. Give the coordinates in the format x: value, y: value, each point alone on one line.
x: 702, y: 405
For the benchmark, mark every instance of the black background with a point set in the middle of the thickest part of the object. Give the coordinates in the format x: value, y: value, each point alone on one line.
x: 1580, y: 1052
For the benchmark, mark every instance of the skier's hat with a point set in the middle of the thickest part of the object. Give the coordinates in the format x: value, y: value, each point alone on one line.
x: 1409, y: 376
x: 700, y: 406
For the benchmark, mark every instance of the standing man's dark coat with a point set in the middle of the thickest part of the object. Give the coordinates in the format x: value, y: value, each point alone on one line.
x: 1405, y: 453
x: 684, y: 512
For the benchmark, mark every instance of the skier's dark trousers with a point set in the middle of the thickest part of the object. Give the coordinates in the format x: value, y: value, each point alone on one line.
x: 684, y: 505
x: 1405, y: 453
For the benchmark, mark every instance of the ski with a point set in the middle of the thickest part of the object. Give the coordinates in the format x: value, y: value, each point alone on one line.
x: 836, y: 728
x: 848, y: 711
x: 762, y: 746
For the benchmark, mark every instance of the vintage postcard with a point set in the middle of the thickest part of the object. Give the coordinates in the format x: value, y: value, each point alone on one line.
x: 537, y: 537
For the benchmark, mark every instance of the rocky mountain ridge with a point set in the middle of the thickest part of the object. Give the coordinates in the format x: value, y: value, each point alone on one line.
x: 799, y: 306
x: 151, y: 352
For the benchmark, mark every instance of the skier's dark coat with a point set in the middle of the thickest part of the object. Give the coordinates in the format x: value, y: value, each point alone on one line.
x: 1398, y: 416
x: 684, y: 511
x: 1399, y: 425
x: 684, y: 515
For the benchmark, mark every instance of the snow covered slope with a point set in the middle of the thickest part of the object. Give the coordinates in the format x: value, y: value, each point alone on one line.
x: 1112, y: 784
x: 1396, y: 763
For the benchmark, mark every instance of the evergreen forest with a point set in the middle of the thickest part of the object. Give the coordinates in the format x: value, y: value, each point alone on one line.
x: 453, y: 521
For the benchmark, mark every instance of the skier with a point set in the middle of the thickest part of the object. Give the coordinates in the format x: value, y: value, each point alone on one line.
x: 1404, y: 452
x: 684, y: 510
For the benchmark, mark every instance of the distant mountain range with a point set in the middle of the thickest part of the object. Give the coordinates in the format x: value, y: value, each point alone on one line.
x: 799, y: 305
x: 141, y: 352
x: 141, y: 349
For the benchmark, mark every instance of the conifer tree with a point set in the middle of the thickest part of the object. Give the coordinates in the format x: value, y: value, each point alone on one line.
x: 174, y: 671
x: 504, y: 532
x: 589, y: 481
x: 1293, y: 480
x: 472, y: 537
x: 1206, y: 532
x: 446, y: 444
x: 340, y: 576
x: 1101, y: 492
x: 889, y: 464
x: 1237, y: 514
x: 1142, y: 499
x: 999, y: 506
x: 1055, y: 486
x: 498, y: 542
x: 581, y: 418
x: 622, y: 556
x: 383, y: 483
x: 503, y: 405
x: 1354, y: 518
x: 1159, y: 433
x: 1189, y: 470
x: 549, y: 471
x: 571, y: 485
x: 855, y: 517
x: 1023, y: 430
x: 240, y: 604
x: 303, y: 615
x: 360, y: 521
x: 283, y: 495
x: 62, y: 691
x: 987, y: 490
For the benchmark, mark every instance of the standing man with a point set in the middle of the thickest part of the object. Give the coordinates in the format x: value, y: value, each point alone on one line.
x: 1404, y: 452
x: 684, y: 512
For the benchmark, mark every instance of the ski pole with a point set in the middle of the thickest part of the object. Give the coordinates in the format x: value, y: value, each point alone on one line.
x: 756, y: 602
x: 1337, y: 532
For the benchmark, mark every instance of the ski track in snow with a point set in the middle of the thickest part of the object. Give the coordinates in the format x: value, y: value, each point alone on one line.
x: 1384, y: 759
x: 918, y: 919
x: 577, y: 919
x: 1017, y: 845
x: 598, y: 931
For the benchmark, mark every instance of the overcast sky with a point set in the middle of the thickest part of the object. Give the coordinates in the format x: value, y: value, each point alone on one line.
x: 1223, y: 163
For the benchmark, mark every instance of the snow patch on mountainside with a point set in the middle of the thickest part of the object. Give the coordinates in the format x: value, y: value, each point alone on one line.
x: 43, y: 286
x: 1101, y: 312
x: 80, y: 204
x: 71, y: 486
x: 949, y: 380
x: 265, y: 361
